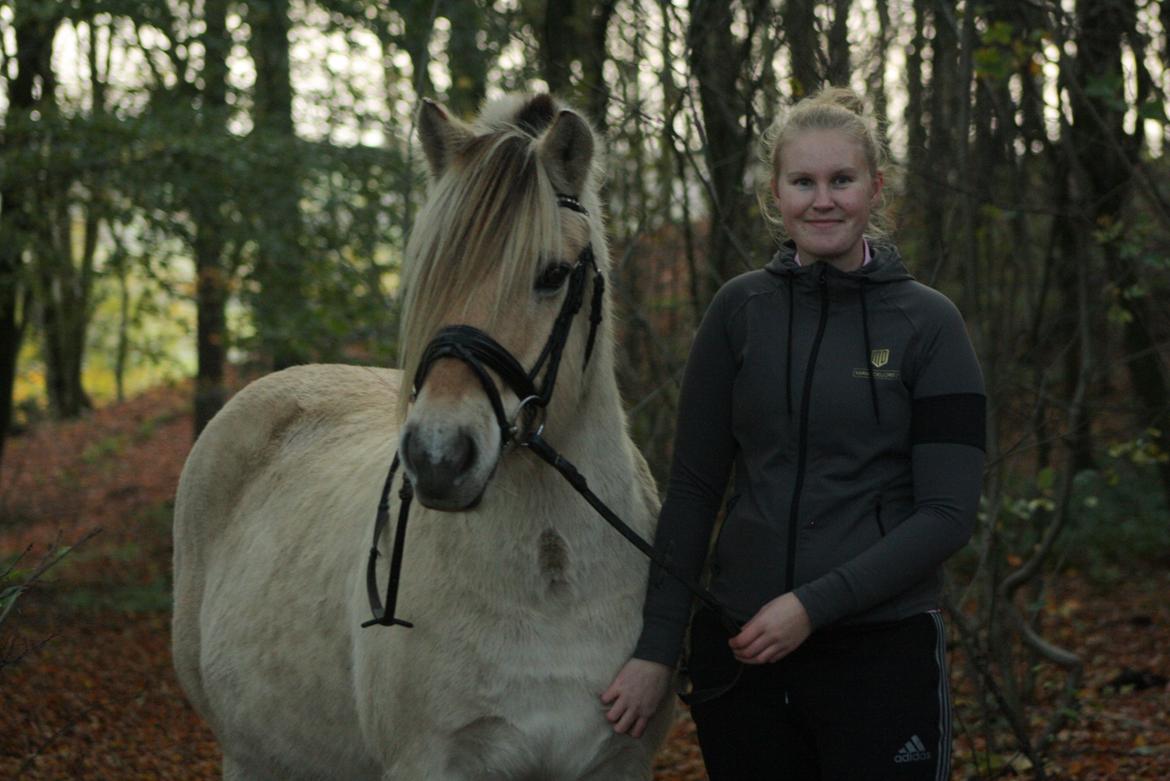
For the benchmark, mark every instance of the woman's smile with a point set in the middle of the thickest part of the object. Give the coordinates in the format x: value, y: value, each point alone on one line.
x: 825, y: 191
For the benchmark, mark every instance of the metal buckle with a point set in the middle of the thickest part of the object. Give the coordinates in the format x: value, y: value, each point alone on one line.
x: 514, y: 427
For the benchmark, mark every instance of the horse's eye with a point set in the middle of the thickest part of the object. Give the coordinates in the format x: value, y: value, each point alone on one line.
x: 552, y: 277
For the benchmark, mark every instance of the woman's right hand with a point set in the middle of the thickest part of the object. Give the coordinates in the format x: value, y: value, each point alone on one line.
x: 635, y: 695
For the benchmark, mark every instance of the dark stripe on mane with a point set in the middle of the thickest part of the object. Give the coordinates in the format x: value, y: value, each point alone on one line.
x: 536, y: 115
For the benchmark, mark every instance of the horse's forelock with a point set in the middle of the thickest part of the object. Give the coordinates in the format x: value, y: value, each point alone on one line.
x: 493, y: 213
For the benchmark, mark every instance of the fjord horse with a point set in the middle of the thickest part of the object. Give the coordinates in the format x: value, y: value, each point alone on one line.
x: 524, y: 604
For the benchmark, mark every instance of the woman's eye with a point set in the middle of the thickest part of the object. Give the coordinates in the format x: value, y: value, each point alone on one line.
x: 552, y: 277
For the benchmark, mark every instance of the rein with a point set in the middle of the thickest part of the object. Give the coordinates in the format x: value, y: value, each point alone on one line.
x: 480, y: 351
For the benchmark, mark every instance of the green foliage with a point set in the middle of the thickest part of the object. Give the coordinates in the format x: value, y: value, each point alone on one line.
x: 348, y: 252
x: 1119, y: 521
x: 103, y: 449
x: 147, y: 428
x: 153, y: 597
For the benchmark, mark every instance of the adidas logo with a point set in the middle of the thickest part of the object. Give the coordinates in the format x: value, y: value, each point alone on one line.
x: 913, y: 751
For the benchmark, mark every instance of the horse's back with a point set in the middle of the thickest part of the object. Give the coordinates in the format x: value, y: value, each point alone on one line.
x: 280, y: 488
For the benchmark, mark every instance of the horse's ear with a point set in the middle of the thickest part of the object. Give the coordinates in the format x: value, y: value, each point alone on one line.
x: 567, y: 152
x: 441, y: 136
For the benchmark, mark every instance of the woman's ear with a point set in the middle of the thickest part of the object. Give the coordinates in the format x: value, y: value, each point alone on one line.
x: 879, y: 181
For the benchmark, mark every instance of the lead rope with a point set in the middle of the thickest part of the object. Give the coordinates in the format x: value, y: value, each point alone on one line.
x: 471, y: 346
x: 537, y: 444
x: 384, y: 611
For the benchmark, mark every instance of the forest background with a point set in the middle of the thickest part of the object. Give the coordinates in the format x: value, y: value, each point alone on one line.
x: 217, y: 189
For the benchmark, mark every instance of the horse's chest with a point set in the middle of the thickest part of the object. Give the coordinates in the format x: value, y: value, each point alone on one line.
x: 553, y: 560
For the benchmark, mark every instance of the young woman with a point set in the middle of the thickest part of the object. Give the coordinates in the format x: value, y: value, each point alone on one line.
x: 839, y: 406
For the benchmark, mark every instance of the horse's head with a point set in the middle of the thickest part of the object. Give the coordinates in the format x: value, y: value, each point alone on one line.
x: 512, y: 212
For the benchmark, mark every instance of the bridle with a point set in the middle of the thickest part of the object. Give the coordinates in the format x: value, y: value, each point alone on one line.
x: 480, y: 352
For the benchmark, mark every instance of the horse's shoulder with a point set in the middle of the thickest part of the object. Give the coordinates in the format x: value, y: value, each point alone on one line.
x: 277, y: 400
x: 251, y: 429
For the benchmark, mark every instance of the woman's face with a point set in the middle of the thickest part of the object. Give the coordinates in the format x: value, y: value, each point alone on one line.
x: 825, y: 192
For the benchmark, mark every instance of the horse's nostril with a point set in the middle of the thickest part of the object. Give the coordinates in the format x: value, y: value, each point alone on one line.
x: 407, y: 444
x: 438, y: 469
x: 463, y: 453
x: 413, y: 453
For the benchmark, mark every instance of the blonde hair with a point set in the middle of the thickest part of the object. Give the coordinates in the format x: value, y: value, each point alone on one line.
x: 833, y: 108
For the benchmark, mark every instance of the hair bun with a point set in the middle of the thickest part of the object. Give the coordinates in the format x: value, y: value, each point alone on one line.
x: 843, y: 97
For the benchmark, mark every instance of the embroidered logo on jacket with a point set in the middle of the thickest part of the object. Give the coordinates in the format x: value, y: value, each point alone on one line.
x: 878, y: 358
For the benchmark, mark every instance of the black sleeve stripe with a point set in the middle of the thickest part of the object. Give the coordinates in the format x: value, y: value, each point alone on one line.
x: 959, y: 418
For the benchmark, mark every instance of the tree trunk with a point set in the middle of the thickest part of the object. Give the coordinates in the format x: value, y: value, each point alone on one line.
x: 941, y: 149
x: 31, y: 93
x: 208, y: 243
x: 64, y: 289
x: 281, y: 263
x: 34, y: 34
x: 569, y: 32
x: 803, y: 46
x: 593, y: 82
x: 419, y: 20
x: 211, y: 329
x: 839, y: 67
x: 557, y: 40
x: 877, y: 75
x: 1108, y: 157
x: 915, y: 115
x: 717, y: 59
x: 468, y: 64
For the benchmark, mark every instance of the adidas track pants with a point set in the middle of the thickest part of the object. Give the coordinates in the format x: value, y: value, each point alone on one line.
x: 858, y: 703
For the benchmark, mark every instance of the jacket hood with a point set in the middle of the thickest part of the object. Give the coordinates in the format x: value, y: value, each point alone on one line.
x: 885, y: 264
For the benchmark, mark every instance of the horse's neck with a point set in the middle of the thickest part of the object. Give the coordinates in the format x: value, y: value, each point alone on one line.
x: 593, y: 427
x: 591, y: 434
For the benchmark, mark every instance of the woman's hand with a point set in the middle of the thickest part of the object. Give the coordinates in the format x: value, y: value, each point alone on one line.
x: 635, y: 695
x: 776, y: 630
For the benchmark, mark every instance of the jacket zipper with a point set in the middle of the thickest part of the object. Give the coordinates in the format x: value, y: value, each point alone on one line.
x: 802, y: 451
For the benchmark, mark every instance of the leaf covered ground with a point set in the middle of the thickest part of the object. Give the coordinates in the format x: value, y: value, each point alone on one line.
x: 86, y: 685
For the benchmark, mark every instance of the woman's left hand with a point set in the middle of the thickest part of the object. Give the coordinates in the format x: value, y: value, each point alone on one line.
x: 776, y: 630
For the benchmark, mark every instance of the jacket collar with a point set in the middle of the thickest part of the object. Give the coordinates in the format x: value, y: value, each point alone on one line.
x: 885, y: 266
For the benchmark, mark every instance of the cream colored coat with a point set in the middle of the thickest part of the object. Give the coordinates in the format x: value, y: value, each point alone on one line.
x: 525, y: 605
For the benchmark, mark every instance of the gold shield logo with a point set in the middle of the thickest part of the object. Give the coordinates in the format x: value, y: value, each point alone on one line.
x: 879, y: 358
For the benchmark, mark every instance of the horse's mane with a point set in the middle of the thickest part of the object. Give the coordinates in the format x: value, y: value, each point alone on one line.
x: 492, y: 211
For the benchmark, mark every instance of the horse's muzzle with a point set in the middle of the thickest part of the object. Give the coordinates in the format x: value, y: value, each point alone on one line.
x: 443, y: 472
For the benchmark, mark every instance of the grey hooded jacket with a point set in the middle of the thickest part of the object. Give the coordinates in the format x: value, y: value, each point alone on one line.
x: 847, y: 410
